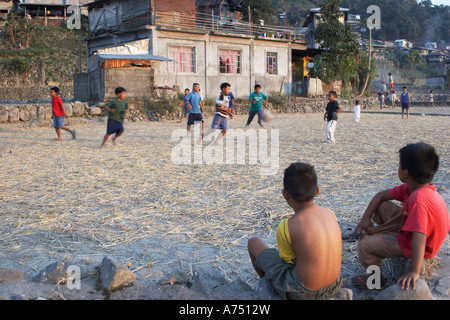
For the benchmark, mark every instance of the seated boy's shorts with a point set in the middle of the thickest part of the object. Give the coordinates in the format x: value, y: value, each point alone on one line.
x: 283, y: 277
x: 219, y: 122
x: 58, y: 122
x: 194, y: 117
x: 114, y: 127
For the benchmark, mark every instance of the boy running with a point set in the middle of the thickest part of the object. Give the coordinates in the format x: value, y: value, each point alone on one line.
x: 117, y: 108
x: 256, y: 99
x: 59, y: 115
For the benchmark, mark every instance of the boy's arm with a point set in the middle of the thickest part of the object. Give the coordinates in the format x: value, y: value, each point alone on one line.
x: 339, y: 109
x: 417, y: 255
x: 366, y: 221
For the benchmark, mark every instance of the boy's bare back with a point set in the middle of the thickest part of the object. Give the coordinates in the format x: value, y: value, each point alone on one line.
x: 316, y: 239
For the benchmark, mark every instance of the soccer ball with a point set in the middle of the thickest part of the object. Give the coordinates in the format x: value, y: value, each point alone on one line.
x: 266, y: 116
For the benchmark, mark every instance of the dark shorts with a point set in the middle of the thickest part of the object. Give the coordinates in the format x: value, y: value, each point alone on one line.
x: 58, y: 122
x: 194, y: 117
x: 284, y: 279
x: 405, y: 106
x: 114, y: 127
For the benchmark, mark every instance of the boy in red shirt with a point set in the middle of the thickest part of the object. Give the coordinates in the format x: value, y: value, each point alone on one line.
x: 59, y: 114
x: 417, y: 230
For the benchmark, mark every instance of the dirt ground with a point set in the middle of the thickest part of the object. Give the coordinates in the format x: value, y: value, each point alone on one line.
x: 73, y: 200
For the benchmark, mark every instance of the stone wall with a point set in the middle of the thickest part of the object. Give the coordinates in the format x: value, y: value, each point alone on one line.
x: 16, y: 113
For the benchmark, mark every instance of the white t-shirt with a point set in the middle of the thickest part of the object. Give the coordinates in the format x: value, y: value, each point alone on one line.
x: 222, y: 103
x: 357, y: 109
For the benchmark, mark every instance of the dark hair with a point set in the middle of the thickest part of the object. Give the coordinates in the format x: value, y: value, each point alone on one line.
x: 357, y: 102
x: 333, y: 93
x: 119, y: 90
x: 224, y: 85
x: 257, y: 86
x: 404, y: 88
x: 56, y: 89
x: 187, y: 89
x: 421, y: 161
x: 300, y: 181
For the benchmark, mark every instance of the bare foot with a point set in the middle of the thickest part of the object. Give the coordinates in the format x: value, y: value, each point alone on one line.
x: 59, y: 139
x: 114, y: 141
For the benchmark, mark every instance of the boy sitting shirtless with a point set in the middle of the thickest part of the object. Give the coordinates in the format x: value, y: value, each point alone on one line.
x: 307, y: 264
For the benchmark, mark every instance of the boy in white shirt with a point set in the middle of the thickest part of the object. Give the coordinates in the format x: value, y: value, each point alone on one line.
x: 357, y: 111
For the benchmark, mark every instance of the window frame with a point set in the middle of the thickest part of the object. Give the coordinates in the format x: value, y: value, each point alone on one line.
x: 175, y: 66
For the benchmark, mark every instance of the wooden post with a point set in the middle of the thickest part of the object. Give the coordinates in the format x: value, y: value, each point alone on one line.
x: 45, y: 15
x: 369, y: 64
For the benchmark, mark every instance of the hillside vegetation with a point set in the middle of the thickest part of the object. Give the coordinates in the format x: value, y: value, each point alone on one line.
x: 32, y: 54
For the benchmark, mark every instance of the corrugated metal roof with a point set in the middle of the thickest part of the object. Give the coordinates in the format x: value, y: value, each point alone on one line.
x: 133, y: 57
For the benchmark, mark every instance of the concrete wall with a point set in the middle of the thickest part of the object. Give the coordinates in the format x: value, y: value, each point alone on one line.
x: 207, y: 73
x: 80, y: 87
x: 138, y: 82
x: 436, y: 82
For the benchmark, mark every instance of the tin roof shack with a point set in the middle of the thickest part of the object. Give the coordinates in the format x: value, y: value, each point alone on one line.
x: 183, y: 52
x: 50, y: 11
x: 6, y: 5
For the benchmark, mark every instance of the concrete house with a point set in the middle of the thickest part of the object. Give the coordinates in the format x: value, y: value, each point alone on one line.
x: 149, y: 46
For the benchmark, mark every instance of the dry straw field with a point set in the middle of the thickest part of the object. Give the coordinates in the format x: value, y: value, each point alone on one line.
x: 73, y: 200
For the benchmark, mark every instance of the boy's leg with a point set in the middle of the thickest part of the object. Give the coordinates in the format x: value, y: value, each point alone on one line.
x: 105, y: 138
x: 373, y: 249
x: 331, y: 127
x: 260, y: 115
x: 72, y: 132
x: 58, y: 132
x: 255, y: 247
x: 222, y: 133
x: 118, y: 134
x: 251, y: 115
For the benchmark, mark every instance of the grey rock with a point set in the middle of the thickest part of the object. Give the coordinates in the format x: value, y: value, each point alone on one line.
x: 79, y: 109
x: 52, y: 274
x: 114, y: 276
x: 14, y: 115
x: 395, y: 292
x: 4, y: 116
x: 68, y: 109
x: 443, y: 287
x: 95, y: 111
x: 44, y: 112
x: 265, y: 291
x: 24, y: 114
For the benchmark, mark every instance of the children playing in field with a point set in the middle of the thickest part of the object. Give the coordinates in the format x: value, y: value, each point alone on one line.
x: 59, y: 115
x: 357, y: 111
x: 117, y: 109
x: 415, y: 230
x: 256, y: 99
x: 307, y: 263
x: 223, y: 111
x: 184, y: 108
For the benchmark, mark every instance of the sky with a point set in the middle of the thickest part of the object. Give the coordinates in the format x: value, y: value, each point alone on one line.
x: 438, y: 2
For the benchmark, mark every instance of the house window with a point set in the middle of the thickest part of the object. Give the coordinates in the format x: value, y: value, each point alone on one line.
x: 230, y: 61
x: 183, y: 59
x: 272, y: 63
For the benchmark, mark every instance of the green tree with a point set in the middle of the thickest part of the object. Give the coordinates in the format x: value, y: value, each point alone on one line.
x: 339, y: 59
x: 260, y: 10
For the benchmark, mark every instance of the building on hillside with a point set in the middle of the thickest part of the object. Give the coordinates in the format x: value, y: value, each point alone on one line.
x: 403, y: 44
x: 147, y: 46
